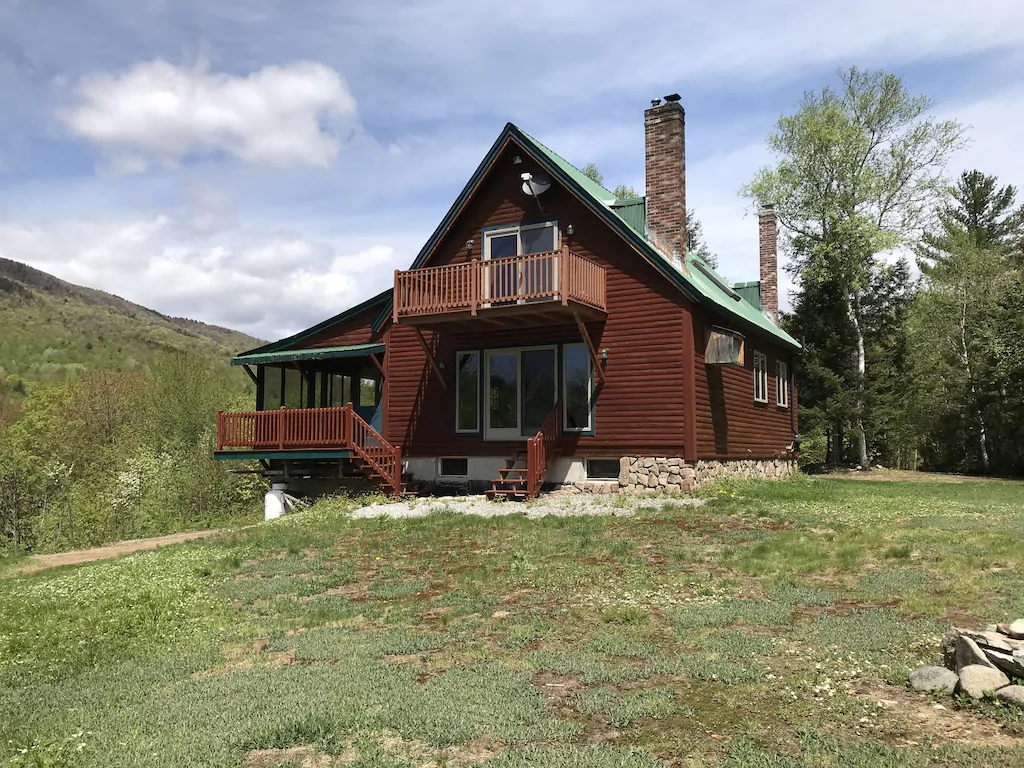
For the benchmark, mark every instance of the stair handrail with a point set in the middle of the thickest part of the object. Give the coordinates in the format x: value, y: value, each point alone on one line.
x: 374, y: 449
x: 542, y: 448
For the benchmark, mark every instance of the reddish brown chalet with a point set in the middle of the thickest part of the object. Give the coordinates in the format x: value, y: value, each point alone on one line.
x: 546, y: 334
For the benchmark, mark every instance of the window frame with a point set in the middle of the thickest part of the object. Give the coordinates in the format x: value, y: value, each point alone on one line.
x: 589, y: 429
x: 781, y: 384
x: 503, y: 230
x: 760, y: 363
x: 440, y: 466
x: 591, y: 476
x: 479, y: 390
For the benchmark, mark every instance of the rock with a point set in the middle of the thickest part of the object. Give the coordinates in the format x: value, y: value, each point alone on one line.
x: 976, y: 679
x: 1016, y: 629
x: 663, y: 478
x: 968, y: 653
x: 932, y: 679
x: 652, y: 481
x: 1010, y: 664
x: 675, y: 462
x: 1003, y: 629
x: 1013, y: 694
x: 989, y: 639
x: 623, y: 470
x: 631, y: 479
x: 648, y: 462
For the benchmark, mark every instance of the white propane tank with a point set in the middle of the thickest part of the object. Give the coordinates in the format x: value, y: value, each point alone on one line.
x: 277, y: 502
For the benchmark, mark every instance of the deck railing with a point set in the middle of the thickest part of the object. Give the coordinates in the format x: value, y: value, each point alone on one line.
x: 541, y: 450
x: 469, y: 287
x: 290, y: 429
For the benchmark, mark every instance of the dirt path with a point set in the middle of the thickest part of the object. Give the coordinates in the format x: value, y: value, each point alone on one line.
x: 76, y: 556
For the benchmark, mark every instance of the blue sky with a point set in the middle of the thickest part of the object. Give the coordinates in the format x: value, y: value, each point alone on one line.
x: 265, y: 164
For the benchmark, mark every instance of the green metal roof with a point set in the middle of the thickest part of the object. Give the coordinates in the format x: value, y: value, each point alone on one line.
x: 323, y: 353
x: 750, y: 291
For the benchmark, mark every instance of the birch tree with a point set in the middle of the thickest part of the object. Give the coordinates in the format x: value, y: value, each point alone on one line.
x: 858, y: 167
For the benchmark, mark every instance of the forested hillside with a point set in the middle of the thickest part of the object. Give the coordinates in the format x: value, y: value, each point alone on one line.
x: 108, y: 416
x: 51, y: 328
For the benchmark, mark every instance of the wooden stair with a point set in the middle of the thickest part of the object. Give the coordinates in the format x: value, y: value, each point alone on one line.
x: 512, y: 483
x: 523, y: 483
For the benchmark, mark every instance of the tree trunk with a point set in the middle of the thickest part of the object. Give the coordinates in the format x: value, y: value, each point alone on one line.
x: 860, y: 439
x: 965, y: 358
x: 837, y: 443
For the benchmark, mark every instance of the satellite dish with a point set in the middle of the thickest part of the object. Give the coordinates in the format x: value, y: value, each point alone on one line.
x: 536, y: 184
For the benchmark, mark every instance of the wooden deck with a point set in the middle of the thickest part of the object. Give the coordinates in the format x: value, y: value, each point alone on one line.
x: 538, y: 288
x: 285, y: 431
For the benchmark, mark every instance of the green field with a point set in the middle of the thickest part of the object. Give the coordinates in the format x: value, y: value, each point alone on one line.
x: 772, y: 627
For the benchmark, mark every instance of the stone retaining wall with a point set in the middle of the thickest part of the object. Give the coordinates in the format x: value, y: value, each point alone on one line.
x: 648, y: 474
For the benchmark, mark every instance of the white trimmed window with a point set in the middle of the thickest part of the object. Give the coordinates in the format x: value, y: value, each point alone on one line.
x: 577, y: 389
x: 781, y: 385
x: 467, y: 392
x: 760, y: 377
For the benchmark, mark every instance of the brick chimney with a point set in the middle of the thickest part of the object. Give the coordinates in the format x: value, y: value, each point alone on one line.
x: 768, y: 241
x: 664, y: 133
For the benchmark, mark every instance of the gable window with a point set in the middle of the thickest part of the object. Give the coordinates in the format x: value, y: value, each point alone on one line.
x: 760, y: 377
x: 781, y: 385
x: 520, y: 280
x: 520, y: 240
x: 467, y: 392
x: 577, y: 388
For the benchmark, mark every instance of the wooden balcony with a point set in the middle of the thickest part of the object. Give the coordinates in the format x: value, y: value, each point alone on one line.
x: 535, y: 289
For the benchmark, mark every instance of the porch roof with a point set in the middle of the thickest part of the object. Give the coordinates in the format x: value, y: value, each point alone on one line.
x: 296, y: 355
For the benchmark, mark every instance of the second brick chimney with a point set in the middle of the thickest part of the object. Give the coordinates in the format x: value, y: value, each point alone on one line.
x: 768, y: 240
x: 664, y: 132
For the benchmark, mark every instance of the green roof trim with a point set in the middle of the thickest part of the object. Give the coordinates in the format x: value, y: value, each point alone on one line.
x: 620, y: 215
x: 322, y: 353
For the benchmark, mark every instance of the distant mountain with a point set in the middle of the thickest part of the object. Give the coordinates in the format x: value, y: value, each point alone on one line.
x: 50, y: 328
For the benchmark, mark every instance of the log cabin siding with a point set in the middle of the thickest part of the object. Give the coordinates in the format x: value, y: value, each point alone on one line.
x: 354, y: 330
x: 640, y: 406
x: 730, y: 424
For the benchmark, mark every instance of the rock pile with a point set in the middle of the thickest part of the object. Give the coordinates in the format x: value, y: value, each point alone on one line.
x: 979, y: 663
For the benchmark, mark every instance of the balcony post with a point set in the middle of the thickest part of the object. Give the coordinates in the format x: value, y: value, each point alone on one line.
x: 280, y: 428
x: 563, y: 275
x: 220, y: 430
x: 474, y: 283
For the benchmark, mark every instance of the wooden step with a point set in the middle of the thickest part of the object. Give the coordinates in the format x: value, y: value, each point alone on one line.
x: 511, y: 471
x: 508, y: 481
x: 512, y: 495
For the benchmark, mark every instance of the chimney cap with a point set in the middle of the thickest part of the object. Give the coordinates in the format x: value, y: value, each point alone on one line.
x: 767, y: 206
x: 655, y: 102
x: 673, y: 97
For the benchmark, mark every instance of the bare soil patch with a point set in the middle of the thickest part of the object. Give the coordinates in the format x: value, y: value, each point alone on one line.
x: 77, y: 556
x: 917, y: 718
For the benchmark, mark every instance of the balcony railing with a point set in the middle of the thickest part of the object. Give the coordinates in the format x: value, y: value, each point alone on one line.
x: 535, y: 279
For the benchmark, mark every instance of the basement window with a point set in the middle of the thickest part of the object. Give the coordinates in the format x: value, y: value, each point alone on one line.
x: 453, y: 467
x: 602, y: 469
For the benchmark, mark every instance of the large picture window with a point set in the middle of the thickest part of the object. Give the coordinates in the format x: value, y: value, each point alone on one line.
x: 760, y: 377
x: 578, y: 388
x: 467, y: 392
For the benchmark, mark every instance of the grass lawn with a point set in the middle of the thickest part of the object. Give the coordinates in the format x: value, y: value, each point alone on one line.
x: 772, y: 627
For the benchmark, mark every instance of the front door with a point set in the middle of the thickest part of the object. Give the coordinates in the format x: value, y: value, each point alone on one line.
x: 521, y: 387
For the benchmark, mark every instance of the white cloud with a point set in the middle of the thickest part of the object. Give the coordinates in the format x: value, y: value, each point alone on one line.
x: 269, y: 284
x: 156, y: 111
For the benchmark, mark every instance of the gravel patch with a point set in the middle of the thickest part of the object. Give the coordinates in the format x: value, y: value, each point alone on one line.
x: 552, y: 504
